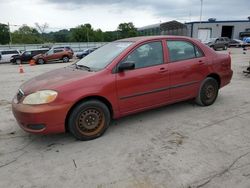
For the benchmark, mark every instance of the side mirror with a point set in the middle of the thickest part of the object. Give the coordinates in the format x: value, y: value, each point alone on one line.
x: 128, y: 65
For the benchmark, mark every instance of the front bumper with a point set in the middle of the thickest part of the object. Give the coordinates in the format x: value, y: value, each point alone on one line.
x: 40, y: 119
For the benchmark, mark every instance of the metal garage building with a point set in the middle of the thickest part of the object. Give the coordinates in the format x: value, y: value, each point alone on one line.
x: 166, y: 28
x: 233, y: 29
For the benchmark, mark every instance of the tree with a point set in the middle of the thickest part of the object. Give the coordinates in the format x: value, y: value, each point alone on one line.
x: 98, y: 35
x: 61, y: 36
x: 83, y: 33
x: 4, y: 34
x: 26, y: 34
x: 127, y: 30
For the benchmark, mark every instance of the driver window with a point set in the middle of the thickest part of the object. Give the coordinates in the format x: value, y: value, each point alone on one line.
x: 149, y: 54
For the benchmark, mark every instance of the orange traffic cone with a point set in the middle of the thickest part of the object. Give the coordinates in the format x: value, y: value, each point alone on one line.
x: 32, y: 62
x: 21, y: 68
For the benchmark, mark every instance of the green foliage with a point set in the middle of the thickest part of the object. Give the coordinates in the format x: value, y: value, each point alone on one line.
x: 4, y: 34
x: 26, y: 34
x: 127, y: 30
x: 81, y: 33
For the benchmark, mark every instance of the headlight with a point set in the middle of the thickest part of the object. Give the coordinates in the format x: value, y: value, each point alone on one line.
x: 40, y: 97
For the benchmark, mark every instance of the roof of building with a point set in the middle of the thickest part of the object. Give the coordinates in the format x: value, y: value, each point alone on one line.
x: 165, y: 25
x: 219, y: 21
x: 149, y: 26
x: 172, y: 25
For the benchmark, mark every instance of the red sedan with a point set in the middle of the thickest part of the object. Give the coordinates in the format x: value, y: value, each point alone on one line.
x: 118, y: 79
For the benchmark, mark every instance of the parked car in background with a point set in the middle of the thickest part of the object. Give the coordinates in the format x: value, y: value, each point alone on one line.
x: 27, y: 55
x: 121, y: 78
x: 246, y: 39
x: 85, y: 52
x: 218, y: 43
x: 236, y: 43
x: 7, y: 54
x: 55, y: 53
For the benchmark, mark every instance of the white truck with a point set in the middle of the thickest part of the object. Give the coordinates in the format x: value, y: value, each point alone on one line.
x: 5, y: 55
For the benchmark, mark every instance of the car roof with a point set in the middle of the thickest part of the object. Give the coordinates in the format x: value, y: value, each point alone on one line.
x: 9, y: 50
x: 146, y: 38
x: 39, y: 49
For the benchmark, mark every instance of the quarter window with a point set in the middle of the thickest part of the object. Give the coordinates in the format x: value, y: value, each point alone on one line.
x: 149, y: 54
x: 181, y: 50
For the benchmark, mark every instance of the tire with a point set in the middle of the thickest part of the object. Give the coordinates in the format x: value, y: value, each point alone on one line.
x: 208, y: 92
x: 89, y: 120
x: 65, y: 59
x: 40, y: 61
x: 225, y: 47
x: 214, y: 48
x: 18, y: 61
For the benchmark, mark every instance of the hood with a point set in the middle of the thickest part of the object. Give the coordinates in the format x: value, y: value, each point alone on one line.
x: 55, y: 79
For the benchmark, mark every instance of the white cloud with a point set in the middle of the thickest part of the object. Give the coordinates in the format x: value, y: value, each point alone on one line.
x: 108, y: 14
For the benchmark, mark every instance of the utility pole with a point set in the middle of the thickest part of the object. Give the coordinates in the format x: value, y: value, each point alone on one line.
x: 201, y: 10
x: 10, y: 42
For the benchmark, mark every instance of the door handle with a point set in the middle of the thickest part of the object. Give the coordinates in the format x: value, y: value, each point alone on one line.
x: 200, y: 62
x: 162, y: 70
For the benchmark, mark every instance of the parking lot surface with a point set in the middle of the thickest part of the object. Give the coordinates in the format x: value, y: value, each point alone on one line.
x: 180, y: 145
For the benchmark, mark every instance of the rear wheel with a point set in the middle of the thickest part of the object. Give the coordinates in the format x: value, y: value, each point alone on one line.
x: 208, y: 92
x: 65, y: 59
x: 89, y: 120
x: 40, y: 61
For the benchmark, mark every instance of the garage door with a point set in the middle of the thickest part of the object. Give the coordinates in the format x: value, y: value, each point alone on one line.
x: 204, y: 34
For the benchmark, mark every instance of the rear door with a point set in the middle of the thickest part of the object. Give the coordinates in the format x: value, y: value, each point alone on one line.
x: 146, y: 85
x: 187, y: 68
x: 58, y: 53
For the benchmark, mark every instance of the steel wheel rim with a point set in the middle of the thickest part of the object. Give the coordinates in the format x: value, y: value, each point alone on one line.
x: 90, y: 121
x: 210, y: 92
x: 65, y: 59
x: 40, y: 61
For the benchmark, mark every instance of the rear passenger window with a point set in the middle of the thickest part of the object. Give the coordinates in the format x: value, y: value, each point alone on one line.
x: 181, y: 50
x: 9, y: 52
x: 58, y: 50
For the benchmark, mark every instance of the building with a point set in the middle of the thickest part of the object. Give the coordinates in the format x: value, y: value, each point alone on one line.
x: 166, y: 28
x: 233, y: 29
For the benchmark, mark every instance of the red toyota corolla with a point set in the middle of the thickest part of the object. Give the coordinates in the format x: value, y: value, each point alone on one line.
x: 118, y: 79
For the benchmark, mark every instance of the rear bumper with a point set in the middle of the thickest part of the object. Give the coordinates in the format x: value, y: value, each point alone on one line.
x: 226, y: 78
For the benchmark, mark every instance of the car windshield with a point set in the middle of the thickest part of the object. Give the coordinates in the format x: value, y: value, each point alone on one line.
x: 103, y: 56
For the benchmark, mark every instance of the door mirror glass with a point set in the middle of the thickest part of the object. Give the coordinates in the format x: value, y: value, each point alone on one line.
x: 128, y: 65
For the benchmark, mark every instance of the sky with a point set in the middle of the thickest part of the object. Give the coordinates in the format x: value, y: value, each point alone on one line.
x: 108, y: 14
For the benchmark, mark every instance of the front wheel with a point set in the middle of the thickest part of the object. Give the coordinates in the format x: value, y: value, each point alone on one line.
x: 208, y: 92
x: 89, y: 120
x: 18, y: 61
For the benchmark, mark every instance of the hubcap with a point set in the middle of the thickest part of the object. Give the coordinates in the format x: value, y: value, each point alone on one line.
x: 90, y: 121
x: 210, y: 92
x: 40, y: 61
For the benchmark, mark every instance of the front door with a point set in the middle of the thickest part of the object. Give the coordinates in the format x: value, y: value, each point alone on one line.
x: 146, y: 85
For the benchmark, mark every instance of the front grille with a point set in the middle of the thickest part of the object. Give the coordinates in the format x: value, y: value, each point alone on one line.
x: 20, y: 95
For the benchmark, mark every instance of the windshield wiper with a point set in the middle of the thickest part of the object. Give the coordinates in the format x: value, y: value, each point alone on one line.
x: 83, y: 67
